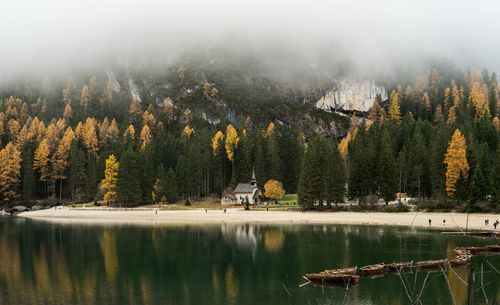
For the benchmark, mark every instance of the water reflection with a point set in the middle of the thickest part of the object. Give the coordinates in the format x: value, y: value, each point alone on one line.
x: 43, y: 263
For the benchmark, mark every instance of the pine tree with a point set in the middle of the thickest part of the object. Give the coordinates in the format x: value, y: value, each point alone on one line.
x: 60, y: 158
x: 110, y: 179
x: 77, y: 171
x: 160, y: 184
x: 128, y: 188
x: 28, y: 180
x: 495, y: 178
x: 386, y: 165
x: 336, y: 177
x: 477, y: 186
x: 313, y: 181
x: 456, y: 161
x: 171, y: 187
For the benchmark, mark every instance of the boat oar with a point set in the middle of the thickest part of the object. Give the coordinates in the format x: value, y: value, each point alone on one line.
x: 303, y: 284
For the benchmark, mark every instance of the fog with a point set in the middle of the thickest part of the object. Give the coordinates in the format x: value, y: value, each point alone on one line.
x: 380, y: 36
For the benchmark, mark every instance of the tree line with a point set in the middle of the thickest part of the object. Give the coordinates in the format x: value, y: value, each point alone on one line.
x: 438, y: 138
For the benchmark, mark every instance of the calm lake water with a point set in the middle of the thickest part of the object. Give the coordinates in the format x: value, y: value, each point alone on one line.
x: 46, y: 263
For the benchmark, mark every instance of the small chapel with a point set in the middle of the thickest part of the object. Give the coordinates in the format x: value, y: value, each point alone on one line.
x: 243, y: 190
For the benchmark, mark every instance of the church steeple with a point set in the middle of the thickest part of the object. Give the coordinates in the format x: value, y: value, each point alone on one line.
x: 253, y: 182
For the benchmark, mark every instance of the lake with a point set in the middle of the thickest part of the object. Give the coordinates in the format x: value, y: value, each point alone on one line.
x: 48, y: 263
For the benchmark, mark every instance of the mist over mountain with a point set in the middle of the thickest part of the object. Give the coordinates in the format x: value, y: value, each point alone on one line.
x: 375, y: 39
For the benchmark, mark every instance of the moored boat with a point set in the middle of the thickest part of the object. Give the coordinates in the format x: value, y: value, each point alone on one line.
x: 481, y: 233
x: 474, y: 249
x: 372, y: 269
x: 351, y: 270
x: 458, y: 261
x: 399, y: 266
x: 332, y: 278
x: 493, y: 248
x: 432, y: 263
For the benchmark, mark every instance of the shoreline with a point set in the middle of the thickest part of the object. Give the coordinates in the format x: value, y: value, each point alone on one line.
x: 453, y: 221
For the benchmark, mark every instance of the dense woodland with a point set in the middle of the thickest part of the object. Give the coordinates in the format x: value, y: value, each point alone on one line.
x: 436, y: 139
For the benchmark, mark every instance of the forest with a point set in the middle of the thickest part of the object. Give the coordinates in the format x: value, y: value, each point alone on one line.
x: 436, y: 139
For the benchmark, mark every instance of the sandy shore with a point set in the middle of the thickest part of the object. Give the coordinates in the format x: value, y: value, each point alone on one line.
x: 453, y: 221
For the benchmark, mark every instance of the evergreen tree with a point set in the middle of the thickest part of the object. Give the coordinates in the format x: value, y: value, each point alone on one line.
x: 477, y: 186
x: 495, y: 178
x: 386, y: 176
x: 171, y: 187
x: 335, y: 191
x: 28, y: 180
x: 360, y: 164
x: 128, y: 187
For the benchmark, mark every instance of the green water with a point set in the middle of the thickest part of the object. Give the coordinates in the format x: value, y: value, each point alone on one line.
x: 46, y: 263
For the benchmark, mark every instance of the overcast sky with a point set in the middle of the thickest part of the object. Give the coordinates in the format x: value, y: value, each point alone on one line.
x: 54, y: 33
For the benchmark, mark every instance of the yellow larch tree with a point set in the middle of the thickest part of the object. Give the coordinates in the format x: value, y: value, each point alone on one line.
x: 135, y: 112
x: 92, y: 87
x: 145, y: 136
x: 438, y: 116
x: 85, y: 98
x: 149, y: 119
x: 89, y: 136
x: 231, y: 143
x: 110, y: 179
x: 41, y: 161
x: 52, y: 136
x: 217, y: 140
x: 427, y: 102
x: 478, y: 98
x: 187, y: 131
x: 104, y: 132
x: 129, y: 133
x: 113, y: 131
x: 10, y: 172
x: 496, y: 123
x: 456, y: 161
x: 14, y: 128
x: 270, y: 129
x: 67, y: 112
x: 66, y: 96
x: 79, y: 130
x: 394, y: 111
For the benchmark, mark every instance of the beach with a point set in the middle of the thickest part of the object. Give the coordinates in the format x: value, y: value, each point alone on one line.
x: 452, y: 221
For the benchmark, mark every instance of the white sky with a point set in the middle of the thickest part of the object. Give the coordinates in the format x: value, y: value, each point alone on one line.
x: 38, y: 33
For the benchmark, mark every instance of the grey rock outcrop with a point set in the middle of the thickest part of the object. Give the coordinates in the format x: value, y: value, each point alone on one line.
x: 351, y: 95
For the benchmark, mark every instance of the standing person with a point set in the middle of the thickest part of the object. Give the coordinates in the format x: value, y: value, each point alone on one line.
x: 430, y: 222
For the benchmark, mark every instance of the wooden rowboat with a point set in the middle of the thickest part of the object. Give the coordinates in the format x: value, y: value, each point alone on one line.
x: 432, y: 263
x: 481, y: 233
x: 493, y: 248
x: 351, y: 271
x: 372, y: 269
x: 399, y: 266
x: 458, y: 261
x: 332, y: 278
x: 474, y: 249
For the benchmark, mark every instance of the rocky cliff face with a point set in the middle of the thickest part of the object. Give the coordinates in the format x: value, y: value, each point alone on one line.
x: 350, y: 95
